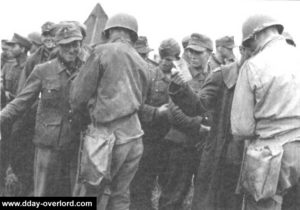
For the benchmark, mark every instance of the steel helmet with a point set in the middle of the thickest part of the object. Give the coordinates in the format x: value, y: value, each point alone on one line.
x: 257, y: 23
x: 122, y: 20
x: 35, y: 37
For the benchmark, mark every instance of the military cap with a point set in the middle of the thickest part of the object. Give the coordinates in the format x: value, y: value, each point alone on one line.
x: 76, y: 24
x: 68, y: 33
x: 200, y: 43
x: 169, y: 47
x: 141, y: 45
x: 18, y: 39
x: 185, y: 41
x: 4, y: 41
x: 47, y: 27
x: 35, y: 37
x: 226, y: 41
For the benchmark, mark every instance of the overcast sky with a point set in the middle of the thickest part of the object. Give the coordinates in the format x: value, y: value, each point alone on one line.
x: 158, y: 19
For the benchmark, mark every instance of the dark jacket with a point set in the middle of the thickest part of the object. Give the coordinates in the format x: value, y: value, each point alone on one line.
x: 11, y: 75
x: 221, y: 156
x: 113, y: 82
x: 51, y: 82
x: 185, y: 129
x: 155, y: 125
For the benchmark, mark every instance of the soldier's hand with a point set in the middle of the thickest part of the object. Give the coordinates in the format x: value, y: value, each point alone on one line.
x: 178, y: 78
x: 9, y: 96
x: 163, y: 109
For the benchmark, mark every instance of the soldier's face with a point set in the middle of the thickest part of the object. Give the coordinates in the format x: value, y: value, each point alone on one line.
x: 16, y: 50
x: 6, y: 52
x: 166, y: 63
x: 70, y: 51
x: 198, y: 59
x: 227, y: 53
x: 48, y: 40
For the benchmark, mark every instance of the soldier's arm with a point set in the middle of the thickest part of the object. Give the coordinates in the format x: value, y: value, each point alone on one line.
x: 24, y: 99
x: 192, y: 103
x: 150, y: 114
x: 242, y: 112
x: 182, y: 121
x: 85, y: 84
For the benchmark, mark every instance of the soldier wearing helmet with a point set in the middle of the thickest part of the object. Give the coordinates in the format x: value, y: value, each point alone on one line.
x: 113, y: 83
x: 55, y: 144
x: 265, y: 110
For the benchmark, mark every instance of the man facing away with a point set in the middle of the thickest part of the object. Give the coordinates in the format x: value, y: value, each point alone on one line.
x: 266, y: 111
x: 112, y: 86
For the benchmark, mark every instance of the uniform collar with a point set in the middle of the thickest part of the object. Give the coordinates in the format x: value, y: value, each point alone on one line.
x: 230, y: 74
x: 216, y: 59
x: 62, y: 67
x: 268, y: 42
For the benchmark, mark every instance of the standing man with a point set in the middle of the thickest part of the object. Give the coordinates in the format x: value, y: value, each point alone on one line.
x: 113, y: 86
x: 23, y: 129
x: 266, y: 111
x: 141, y: 46
x: 55, y: 144
x: 181, y: 157
x: 155, y: 123
x: 221, y: 157
x: 11, y: 73
x: 224, y: 52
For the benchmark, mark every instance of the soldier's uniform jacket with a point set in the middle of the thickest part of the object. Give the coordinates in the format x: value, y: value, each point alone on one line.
x: 118, y: 80
x: 213, y: 63
x: 154, y: 125
x: 152, y: 64
x: 185, y: 129
x: 11, y: 74
x: 49, y: 81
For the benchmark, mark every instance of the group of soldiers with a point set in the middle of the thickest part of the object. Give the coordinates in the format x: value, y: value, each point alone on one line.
x: 106, y: 121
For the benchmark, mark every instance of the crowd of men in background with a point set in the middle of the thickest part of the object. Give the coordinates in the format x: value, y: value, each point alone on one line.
x: 107, y: 121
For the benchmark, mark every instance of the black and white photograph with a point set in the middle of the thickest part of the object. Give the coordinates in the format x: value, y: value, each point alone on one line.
x: 150, y: 105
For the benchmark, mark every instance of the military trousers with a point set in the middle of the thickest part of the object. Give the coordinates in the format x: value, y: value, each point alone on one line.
x: 125, y: 163
x: 54, y: 171
x: 179, y: 166
x: 145, y: 180
x: 289, y: 177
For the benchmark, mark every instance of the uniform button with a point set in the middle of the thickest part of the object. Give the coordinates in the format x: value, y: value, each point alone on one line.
x: 156, y: 90
x: 70, y: 111
x: 70, y: 121
x: 49, y: 91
